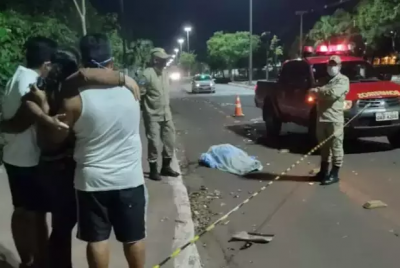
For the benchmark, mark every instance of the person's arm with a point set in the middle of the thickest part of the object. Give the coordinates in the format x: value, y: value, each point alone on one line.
x: 143, y: 82
x: 100, y: 77
x: 334, y: 90
x: 24, y: 118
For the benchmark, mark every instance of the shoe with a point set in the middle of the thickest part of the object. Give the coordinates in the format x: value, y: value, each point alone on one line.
x: 323, y: 172
x: 166, y: 169
x: 154, y: 175
x: 333, y: 177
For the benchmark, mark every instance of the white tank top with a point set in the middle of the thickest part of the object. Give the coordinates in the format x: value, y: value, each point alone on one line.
x: 108, y: 149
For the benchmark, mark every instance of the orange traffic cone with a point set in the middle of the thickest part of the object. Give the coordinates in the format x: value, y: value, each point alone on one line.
x: 238, y: 108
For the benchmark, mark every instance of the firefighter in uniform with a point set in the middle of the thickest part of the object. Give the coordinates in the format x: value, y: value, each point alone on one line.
x: 330, y: 120
x: 157, y: 117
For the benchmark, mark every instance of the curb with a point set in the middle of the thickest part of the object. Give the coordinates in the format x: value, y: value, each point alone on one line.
x: 242, y: 85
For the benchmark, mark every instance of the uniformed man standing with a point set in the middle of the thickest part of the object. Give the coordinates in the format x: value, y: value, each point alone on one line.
x: 330, y: 120
x: 157, y: 114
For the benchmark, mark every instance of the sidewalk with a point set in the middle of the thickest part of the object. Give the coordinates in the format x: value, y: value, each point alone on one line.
x: 166, y: 228
x: 243, y: 84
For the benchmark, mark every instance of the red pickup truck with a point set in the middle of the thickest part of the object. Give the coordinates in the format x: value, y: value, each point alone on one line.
x: 287, y: 100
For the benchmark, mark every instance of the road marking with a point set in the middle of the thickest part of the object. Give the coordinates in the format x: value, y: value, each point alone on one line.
x: 184, y: 228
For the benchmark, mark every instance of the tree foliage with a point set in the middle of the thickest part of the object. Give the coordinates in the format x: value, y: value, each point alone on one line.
x: 15, y: 29
x: 376, y: 18
x: 139, y: 53
x: 341, y: 23
x: 187, y: 60
x: 229, y: 48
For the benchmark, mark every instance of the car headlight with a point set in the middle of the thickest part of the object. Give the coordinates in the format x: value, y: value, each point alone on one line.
x: 197, y: 85
x: 211, y: 84
x: 175, y: 76
x: 347, y: 105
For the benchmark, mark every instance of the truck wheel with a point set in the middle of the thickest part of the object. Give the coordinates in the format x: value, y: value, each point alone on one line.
x: 273, y: 124
x: 394, y: 140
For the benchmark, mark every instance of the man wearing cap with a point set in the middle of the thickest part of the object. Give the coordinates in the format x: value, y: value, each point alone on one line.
x: 157, y: 115
x: 330, y: 120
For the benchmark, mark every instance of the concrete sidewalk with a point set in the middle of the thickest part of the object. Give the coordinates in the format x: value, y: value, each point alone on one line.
x: 166, y: 227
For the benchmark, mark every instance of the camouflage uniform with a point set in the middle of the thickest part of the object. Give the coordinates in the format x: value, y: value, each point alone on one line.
x: 157, y: 116
x: 330, y: 120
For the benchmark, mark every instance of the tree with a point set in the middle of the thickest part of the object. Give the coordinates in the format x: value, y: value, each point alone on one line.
x: 187, y: 61
x: 341, y: 23
x: 276, y: 49
x: 15, y: 29
x: 229, y: 48
x: 376, y: 18
x: 82, y: 14
x: 139, y: 53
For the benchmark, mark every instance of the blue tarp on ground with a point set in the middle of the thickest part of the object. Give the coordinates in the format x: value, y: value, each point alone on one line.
x: 227, y: 157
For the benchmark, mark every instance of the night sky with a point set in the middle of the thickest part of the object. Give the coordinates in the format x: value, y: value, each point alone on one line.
x: 162, y: 20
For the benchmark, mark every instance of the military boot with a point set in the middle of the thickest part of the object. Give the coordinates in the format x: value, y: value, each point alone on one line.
x: 323, y: 172
x: 154, y: 175
x: 333, y: 176
x: 166, y: 169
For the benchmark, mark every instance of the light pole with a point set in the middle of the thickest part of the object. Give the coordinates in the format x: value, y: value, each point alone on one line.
x: 266, y: 36
x: 301, y: 14
x: 188, y: 30
x: 180, y: 41
x: 176, y: 50
x: 251, y: 43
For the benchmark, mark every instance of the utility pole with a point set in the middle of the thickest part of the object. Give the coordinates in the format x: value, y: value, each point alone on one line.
x: 121, y: 5
x: 301, y: 14
x: 251, y: 43
x: 266, y: 35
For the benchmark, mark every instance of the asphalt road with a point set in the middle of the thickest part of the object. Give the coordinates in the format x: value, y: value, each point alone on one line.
x: 314, y: 226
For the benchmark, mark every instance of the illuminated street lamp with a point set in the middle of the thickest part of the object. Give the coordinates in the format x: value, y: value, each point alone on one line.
x: 176, y: 50
x: 180, y: 41
x: 188, y: 29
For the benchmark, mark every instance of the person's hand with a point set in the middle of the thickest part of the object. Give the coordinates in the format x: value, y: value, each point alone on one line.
x: 36, y: 95
x: 57, y: 122
x: 131, y: 84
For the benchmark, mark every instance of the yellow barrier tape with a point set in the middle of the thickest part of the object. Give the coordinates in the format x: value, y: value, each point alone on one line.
x: 212, y: 226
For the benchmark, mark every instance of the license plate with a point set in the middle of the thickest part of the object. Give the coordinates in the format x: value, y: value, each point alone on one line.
x: 387, y: 116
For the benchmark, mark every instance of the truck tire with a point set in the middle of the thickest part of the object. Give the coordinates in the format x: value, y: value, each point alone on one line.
x: 273, y: 123
x: 394, y: 140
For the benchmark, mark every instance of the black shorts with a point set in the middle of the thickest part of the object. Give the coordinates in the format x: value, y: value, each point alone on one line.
x: 58, y: 179
x: 27, y: 189
x: 122, y: 210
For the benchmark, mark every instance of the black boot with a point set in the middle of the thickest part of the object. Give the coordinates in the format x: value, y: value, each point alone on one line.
x: 166, y: 169
x: 323, y: 172
x: 154, y: 175
x: 333, y: 176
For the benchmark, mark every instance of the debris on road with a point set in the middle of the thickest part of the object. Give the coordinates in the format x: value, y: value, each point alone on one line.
x: 200, y: 206
x: 284, y: 151
x: 374, y: 204
x: 252, y: 237
x: 229, y: 158
x: 314, y: 171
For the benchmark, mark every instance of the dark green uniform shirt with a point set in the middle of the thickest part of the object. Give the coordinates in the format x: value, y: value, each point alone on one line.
x: 155, y: 95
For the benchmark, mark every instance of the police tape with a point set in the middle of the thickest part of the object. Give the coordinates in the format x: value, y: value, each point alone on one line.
x: 223, y: 218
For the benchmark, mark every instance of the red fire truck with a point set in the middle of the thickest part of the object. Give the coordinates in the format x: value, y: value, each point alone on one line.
x: 287, y: 99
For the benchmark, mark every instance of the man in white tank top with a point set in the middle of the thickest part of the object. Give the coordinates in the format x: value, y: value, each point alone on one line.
x: 108, y: 153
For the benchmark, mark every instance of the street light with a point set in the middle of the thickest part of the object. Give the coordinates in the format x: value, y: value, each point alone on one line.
x: 301, y: 14
x: 176, y: 50
x: 180, y: 41
x: 188, y: 29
